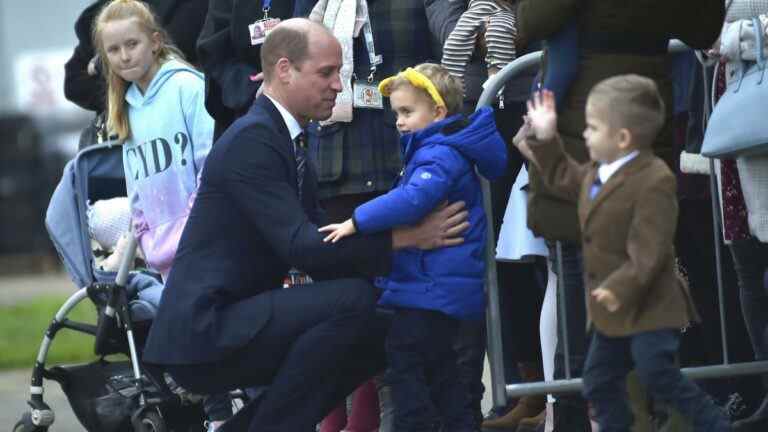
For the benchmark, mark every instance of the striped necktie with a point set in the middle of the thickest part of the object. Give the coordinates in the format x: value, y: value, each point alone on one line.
x: 300, y: 154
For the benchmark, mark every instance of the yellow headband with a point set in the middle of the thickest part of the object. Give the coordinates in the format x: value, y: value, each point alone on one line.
x: 418, y: 80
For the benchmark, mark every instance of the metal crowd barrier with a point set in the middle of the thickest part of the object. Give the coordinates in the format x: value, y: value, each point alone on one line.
x: 499, y: 388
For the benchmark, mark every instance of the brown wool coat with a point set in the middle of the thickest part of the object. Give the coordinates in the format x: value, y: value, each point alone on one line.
x: 628, y: 231
x: 616, y: 20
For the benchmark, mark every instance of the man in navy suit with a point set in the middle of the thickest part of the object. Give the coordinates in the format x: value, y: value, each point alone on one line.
x: 223, y: 322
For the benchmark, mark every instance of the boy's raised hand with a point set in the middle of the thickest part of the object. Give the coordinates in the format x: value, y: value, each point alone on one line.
x: 606, y: 298
x: 543, y: 115
x: 338, y: 231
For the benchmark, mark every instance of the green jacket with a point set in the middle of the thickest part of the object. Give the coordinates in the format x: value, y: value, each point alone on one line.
x: 640, y: 23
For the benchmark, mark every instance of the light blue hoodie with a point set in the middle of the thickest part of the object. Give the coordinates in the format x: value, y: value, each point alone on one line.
x: 171, y: 135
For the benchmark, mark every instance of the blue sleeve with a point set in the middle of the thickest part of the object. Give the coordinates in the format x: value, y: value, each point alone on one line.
x: 199, y: 123
x: 433, y: 176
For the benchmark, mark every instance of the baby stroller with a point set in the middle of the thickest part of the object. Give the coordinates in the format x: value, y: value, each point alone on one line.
x: 105, y: 395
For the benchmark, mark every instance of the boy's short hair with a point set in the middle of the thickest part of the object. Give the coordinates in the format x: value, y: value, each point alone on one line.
x: 447, y: 85
x: 632, y: 102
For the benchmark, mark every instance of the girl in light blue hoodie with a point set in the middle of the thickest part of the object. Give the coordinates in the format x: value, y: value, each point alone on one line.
x: 155, y: 106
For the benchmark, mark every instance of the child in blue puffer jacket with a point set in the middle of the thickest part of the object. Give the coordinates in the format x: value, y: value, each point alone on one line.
x: 431, y: 291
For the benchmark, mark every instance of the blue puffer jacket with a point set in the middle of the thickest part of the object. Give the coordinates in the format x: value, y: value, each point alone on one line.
x: 440, y: 165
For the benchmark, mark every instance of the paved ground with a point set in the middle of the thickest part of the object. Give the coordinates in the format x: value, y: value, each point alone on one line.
x: 14, y: 392
x: 14, y: 385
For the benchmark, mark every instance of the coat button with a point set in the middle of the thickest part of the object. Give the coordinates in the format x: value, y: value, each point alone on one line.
x: 369, y: 183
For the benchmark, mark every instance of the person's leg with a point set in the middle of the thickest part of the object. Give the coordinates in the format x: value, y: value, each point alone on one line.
x: 750, y: 259
x: 605, y: 374
x: 322, y: 341
x: 654, y: 357
x: 365, y: 409
x: 570, y: 411
x: 407, y: 344
x: 470, y: 355
x: 335, y: 420
x: 447, y: 390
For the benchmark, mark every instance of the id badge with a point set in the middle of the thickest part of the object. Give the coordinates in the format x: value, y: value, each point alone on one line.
x: 261, y: 28
x: 367, y: 95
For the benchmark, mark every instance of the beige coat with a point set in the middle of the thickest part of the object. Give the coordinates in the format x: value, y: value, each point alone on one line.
x: 628, y: 231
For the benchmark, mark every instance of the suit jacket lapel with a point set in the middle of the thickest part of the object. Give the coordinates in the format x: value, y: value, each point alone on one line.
x: 613, y: 183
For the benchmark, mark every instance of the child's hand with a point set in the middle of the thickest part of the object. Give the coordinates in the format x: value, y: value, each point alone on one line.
x: 542, y: 115
x: 339, y: 231
x: 606, y: 298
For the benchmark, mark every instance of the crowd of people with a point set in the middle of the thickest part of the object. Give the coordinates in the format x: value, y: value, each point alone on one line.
x: 340, y: 139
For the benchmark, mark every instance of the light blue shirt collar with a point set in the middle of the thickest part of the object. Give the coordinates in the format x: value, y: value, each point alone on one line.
x: 294, y: 128
x: 605, y: 171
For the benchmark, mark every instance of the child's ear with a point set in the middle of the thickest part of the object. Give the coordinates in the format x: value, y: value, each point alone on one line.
x: 157, y: 42
x: 440, y: 112
x: 625, y: 138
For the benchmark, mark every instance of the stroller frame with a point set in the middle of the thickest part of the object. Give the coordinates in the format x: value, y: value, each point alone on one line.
x: 151, y: 390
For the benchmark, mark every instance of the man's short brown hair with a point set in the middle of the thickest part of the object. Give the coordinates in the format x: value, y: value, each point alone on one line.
x: 288, y: 41
x: 631, y: 102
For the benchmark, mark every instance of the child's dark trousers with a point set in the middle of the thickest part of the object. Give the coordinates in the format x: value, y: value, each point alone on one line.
x: 609, y: 359
x: 422, y: 372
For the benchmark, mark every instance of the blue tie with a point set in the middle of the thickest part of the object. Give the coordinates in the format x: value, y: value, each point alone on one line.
x: 595, y: 189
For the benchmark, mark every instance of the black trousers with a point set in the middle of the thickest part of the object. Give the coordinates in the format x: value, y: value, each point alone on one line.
x: 653, y: 355
x: 427, y: 393
x: 323, y: 340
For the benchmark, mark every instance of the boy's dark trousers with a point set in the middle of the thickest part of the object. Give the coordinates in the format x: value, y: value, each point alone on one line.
x: 426, y: 391
x: 653, y: 355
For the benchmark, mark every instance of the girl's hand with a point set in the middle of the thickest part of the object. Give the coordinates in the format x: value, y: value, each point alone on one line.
x: 338, y: 231
x: 542, y: 115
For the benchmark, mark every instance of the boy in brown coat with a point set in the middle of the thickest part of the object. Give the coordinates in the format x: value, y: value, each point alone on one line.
x: 627, y: 210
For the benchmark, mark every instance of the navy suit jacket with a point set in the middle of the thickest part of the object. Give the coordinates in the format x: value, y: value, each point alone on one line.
x: 246, y: 229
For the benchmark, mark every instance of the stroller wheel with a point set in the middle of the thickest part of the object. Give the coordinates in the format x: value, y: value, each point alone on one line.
x: 26, y: 425
x: 150, y: 421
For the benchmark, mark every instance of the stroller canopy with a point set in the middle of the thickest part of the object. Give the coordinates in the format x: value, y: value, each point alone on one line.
x: 95, y: 173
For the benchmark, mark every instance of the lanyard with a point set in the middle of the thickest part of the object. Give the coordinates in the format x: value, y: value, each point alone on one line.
x: 265, y: 5
x: 373, y: 59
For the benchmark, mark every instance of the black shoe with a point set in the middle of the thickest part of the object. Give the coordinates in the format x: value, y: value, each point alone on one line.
x: 758, y: 421
x: 242, y: 418
x: 571, y: 416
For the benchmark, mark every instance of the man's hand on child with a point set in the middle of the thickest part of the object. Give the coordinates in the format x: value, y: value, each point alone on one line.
x: 542, y: 115
x: 606, y: 298
x: 338, y: 231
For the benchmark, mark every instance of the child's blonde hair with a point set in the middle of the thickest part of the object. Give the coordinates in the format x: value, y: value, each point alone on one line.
x: 631, y: 102
x: 117, y: 115
x: 447, y: 85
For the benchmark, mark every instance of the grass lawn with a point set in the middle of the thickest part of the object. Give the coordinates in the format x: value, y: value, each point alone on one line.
x: 22, y: 327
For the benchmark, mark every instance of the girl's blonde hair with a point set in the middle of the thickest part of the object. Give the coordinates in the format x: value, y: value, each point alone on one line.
x: 117, y: 114
x: 447, y: 85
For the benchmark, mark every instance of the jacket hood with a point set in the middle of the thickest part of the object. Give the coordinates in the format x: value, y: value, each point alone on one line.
x: 171, y: 67
x: 475, y: 137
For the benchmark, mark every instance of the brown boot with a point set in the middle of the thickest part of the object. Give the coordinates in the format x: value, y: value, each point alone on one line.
x: 530, y: 424
x: 528, y: 406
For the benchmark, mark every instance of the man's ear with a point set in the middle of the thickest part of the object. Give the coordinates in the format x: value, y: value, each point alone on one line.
x: 283, y: 70
x: 625, y: 138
